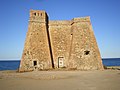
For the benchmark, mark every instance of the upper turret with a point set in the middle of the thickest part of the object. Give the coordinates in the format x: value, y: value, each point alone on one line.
x: 38, y: 16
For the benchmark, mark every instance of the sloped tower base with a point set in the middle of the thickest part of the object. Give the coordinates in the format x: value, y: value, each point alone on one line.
x: 59, y: 44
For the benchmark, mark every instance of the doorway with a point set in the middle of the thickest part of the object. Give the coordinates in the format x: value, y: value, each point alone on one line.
x: 60, y: 62
x: 34, y: 63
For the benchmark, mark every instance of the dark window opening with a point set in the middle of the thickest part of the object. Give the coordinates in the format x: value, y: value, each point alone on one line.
x: 41, y: 14
x: 34, y: 63
x: 34, y: 14
x: 71, y: 34
x: 86, y: 52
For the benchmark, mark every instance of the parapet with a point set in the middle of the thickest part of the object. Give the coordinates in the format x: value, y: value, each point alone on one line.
x: 61, y: 22
x: 69, y: 22
x: 41, y: 17
x: 81, y: 19
x: 38, y: 16
x: 37, y: 13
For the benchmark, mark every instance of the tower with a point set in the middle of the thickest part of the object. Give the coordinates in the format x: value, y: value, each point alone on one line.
x: 68, y: 44
x: 36, y: 53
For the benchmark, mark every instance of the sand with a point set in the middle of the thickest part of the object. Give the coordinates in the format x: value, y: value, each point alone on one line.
x: 60, y: 80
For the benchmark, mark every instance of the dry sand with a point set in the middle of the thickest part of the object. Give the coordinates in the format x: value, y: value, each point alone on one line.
x: 60, y: 80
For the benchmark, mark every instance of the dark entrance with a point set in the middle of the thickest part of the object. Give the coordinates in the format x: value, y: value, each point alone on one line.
x: 34, y: 63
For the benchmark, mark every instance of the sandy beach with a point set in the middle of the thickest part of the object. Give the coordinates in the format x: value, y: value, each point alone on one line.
x: 60, y: 80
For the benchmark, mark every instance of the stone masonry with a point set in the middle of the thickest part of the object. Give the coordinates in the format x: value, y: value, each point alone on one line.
x: 59, y: 44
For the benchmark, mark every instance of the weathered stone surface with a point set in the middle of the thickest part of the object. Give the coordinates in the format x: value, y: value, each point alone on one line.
x: 59, y: 44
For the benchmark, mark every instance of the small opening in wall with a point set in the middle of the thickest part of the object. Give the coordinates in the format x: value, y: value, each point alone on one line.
x: 41, y: 14
x: 34, y: 63
x: 34, y: 14
x: 86, y: 52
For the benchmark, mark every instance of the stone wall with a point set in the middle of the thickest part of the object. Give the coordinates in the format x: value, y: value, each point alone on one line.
x: 60, y: 35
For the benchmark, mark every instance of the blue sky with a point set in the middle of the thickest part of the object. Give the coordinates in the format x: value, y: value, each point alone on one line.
x: 14, y: 16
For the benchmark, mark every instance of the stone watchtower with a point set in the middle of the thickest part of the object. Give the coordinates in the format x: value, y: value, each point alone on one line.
x: 59, y: 44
